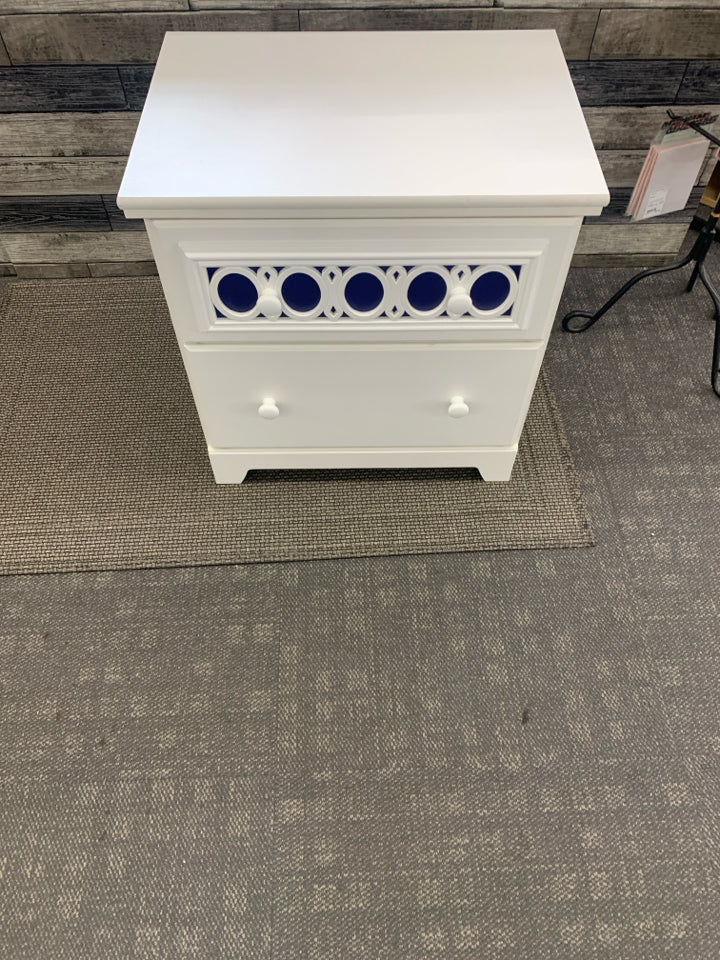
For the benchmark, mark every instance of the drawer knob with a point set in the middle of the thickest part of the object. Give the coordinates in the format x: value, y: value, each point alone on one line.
x: 269, y: 304
x: 268, y: 409
x: 458, y: 408
x: 459, y: 302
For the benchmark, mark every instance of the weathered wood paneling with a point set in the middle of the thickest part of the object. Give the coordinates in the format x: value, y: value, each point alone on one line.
x: 614, y: 212
x: 619, y: 82
x: 708, y: 168
x: 52, y: 214
x: 67, y: 134
x: 575, y: 28
x: 119, y: 38
x: 103, y: 247
x: 685, y: 34
x: 117, y: 219
x: 119, y: 248
x: 111, y: 134
x: 633, y: 237
x: 142, y: 268
x: 608, y: 4
x: 66, y: 87
x: 62, y: 169
x: 51, y: 271
x: 622, y: 167
x: 632, y: 127
x: 598, y: 83
x: 4, y: 58
x: 329, y: 4
x: 66, y: 214
x: 701, y: 82
x: 23, y: 176
x: 89, y: 6
x: 629, y: 261
x: 136, y: 82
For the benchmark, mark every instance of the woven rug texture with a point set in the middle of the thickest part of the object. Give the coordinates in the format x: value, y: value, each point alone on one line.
x: 104, y: 466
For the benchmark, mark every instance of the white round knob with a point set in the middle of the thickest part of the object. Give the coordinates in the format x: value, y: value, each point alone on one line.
x: 459, y: 302
x: 269, y: 304
x: 268, y: 409
x: 458, y: 408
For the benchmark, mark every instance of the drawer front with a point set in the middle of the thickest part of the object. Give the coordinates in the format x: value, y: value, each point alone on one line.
x: 409, y: 395
x: 311, y: 281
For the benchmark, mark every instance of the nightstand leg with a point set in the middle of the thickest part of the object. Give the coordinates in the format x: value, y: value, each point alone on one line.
x: 498, y: 465
x: 227, y: 469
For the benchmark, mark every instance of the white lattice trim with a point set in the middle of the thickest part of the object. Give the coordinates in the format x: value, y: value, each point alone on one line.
x: 333, y: 301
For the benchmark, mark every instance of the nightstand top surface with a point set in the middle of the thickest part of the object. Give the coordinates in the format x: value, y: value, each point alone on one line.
x: 306, y: 123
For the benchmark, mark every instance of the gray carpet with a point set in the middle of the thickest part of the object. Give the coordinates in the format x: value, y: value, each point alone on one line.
x: 494, y: 755
x: 103, y: 464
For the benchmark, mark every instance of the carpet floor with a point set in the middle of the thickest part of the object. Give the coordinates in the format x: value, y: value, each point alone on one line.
x: 490, y: 755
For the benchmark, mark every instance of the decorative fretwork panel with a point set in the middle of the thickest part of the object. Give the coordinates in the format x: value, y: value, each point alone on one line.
x: 363, y: 291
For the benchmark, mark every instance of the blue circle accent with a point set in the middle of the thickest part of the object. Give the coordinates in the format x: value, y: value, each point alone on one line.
x: 490, y: 290
x: 301, y: 292
x: 237, y: 292
x: 426, y: 291
x: 364, y: 292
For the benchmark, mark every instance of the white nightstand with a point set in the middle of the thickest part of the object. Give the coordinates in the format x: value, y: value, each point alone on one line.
x: 362, y: 238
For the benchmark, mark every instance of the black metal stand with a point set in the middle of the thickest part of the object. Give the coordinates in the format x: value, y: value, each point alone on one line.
x: 697, y: 256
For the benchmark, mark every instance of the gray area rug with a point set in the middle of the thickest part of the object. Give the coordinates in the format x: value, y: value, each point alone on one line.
x: 103, y: 463
x: 499, y: 755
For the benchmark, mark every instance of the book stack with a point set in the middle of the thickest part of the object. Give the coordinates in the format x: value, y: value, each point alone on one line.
x: 670, y: 172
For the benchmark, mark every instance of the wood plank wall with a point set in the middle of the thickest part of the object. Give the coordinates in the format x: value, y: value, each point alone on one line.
x: 74, y: 75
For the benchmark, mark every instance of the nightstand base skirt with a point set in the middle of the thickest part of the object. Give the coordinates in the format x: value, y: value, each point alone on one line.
x: 230, y: 466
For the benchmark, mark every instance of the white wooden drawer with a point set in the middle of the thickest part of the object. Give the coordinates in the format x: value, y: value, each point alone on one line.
x: 363, y: 395
x: 367, y: 280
